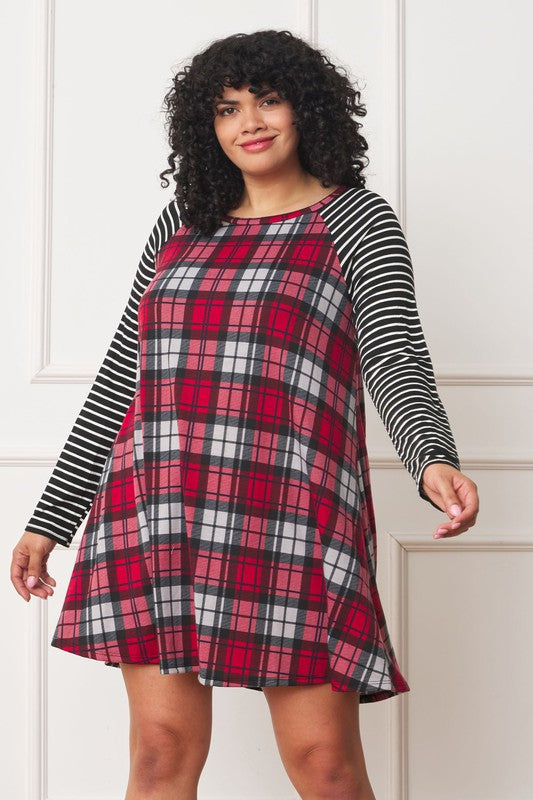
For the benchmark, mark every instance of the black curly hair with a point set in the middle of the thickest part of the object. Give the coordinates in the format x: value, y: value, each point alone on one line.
x: 208, y: 183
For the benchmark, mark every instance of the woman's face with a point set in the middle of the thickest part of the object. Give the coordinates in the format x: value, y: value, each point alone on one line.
x: 241, y: 117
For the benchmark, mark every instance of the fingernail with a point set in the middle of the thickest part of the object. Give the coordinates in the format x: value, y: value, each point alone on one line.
x: 32, y: 580
x: 455, y: 509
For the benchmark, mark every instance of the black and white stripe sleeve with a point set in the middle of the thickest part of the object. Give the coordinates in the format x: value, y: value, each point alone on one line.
x: 395, y: 361
x: 73, y: 483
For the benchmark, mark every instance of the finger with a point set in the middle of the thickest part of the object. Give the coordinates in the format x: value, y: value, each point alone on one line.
x: 33, y: 578
x: 468, y: 513
x: 41, y: 590
x: 45, y: 575
x: 20, y: 587
x: 450, y: 493
x: 17, y: 575
x: 450, y: 529
x: 458, y: 525
x: 440, y: 533
x: 444, y: 532
x: 48, y: 589
x: 48, y: 579
x: 458, y: 513
x: 34, y: 570
x: 448, y: 535
x: 44, y: 585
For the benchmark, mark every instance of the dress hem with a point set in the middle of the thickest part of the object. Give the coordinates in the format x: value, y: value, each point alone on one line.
x: 365, y: 696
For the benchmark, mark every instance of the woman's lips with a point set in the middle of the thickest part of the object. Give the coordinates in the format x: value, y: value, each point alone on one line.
x: 256, y: 146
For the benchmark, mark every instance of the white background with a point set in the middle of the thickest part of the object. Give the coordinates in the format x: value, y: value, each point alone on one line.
x: 447, y: 87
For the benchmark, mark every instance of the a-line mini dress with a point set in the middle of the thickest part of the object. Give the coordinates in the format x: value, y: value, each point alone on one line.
x: 232, y: 532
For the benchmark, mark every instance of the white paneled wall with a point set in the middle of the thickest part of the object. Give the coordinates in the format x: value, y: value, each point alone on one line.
x: 448, y: 124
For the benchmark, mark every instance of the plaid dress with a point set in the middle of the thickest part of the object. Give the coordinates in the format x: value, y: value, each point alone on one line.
x: 232, y: 532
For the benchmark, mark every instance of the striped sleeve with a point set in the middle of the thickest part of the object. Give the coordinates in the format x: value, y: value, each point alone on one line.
x: 395, y: 362
x: 73, y: 482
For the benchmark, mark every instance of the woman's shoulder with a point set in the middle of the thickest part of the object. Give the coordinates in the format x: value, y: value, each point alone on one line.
x: 358, y: 209
x: 364, y: 199
x: 172, y: 210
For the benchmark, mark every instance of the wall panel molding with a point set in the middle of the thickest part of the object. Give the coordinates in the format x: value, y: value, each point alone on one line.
x: 307, y: 20
x: 41, y: 268
x: 378, y: 462
x: 400, y: 545
x: 42, y: 367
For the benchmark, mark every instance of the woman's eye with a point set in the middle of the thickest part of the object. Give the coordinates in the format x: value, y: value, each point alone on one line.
x: 230, y: 108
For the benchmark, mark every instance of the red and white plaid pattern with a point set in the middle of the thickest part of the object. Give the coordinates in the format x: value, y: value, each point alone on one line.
x: 233, y: 533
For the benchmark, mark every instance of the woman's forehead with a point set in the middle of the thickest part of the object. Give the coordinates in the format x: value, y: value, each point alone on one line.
x: 257, y: 89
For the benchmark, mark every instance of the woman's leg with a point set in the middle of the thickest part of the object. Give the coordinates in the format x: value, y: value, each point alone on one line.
x: 318, y: 738
x: 170, y: 732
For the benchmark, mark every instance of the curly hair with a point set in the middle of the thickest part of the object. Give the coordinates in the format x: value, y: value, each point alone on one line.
x: 208, y: 183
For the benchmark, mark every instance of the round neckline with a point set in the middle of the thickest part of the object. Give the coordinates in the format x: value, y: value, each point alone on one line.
x: 287, y: 214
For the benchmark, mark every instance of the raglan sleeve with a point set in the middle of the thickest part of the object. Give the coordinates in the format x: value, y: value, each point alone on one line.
x: 395, y: 362
x: 74, y: 479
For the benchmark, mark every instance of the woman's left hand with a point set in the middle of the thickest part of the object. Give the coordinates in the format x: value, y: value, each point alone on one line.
x: 455, y: 493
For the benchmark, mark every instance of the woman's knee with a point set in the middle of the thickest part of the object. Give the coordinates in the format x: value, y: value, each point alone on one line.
x: 318, y: 737
x: 326, y: 762
x: 329, y: 770
x: 170, y: 721
x: 160, y: 751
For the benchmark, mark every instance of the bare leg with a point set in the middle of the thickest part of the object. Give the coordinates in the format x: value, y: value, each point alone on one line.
x: 318, y: 738
x: 170, y: 732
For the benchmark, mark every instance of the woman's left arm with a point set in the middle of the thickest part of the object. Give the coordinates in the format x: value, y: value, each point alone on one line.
x: 397, y: 368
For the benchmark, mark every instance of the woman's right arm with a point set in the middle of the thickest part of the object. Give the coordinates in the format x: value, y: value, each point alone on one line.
x: 73, y: 483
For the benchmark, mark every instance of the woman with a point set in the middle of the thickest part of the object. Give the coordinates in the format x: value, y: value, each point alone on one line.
x: 231, y: 538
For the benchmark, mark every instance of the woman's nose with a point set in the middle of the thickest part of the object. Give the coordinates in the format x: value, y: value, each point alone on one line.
x: 251, y: 120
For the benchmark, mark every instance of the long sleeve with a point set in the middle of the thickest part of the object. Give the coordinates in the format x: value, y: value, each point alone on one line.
x: 395, y: 361
x: 73, y: 483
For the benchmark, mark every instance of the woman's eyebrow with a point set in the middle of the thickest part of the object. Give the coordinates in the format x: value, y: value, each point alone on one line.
x: 262, y: 93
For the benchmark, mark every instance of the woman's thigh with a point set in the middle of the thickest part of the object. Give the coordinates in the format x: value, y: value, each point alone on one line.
x: 168, y: 711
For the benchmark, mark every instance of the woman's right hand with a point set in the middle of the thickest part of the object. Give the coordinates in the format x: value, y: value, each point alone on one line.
x: 30, y: 556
